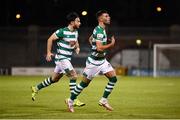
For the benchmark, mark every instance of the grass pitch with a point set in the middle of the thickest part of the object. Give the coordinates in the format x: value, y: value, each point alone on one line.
x: 133, y: 97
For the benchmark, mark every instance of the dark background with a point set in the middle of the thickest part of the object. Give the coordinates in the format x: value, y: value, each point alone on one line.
x: 23, y: 41
x: 123, y: 12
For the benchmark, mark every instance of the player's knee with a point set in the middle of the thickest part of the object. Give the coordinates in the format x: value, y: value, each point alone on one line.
x: 56, y: 77
x: 86, y: 81
x: 84, y: 84
x: 73, y: 77
x: 54, y: 80
x: 113, y: 79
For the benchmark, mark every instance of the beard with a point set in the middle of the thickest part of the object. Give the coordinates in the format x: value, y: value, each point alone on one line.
x: 75, y: 27
x: 107, y: 23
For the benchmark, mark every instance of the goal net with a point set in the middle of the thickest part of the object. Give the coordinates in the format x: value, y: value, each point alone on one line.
x: 166, y: 60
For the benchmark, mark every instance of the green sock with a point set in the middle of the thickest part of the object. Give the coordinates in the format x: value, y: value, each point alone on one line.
x: 109, y: 87
x: 78, y: 90
x: 48, y: 81
x: 72, y: 85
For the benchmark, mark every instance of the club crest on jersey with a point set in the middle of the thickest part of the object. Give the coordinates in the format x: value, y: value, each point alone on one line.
x: 99, y: 36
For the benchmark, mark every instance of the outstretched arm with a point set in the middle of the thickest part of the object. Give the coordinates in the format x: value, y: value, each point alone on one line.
x: 50, y: 40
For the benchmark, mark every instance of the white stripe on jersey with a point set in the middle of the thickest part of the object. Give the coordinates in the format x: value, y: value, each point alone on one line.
x: 70, y: 39
x: 96, y: 62
x: 65, y: 46
x: 70, y: 33
x: 94, y: 47
x: 61, y: 57
x: 64, y: 52
x: 94, y: 53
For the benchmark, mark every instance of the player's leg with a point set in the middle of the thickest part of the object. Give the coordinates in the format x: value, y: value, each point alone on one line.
x: 72, y: 84
x: 72, y: 79
x: 77, y: 90
x: 112, y: 81
x: 111, y: 75
x: 71, y: 73
x: 47, y: 82
x: 89, y: 72
x: 57, y: 74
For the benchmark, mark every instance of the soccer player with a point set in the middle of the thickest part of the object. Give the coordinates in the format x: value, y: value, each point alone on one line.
x: 96, y: 63
x: 67, y: 42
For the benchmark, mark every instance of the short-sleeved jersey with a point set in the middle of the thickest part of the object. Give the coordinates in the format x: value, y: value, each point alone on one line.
x: 97, y: 57
x: 64, y: 49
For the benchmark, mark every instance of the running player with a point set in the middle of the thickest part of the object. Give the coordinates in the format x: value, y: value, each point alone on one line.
x: 96, y: 63
x: 67, y: 42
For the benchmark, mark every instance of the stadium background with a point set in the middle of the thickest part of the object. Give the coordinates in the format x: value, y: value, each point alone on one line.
x: 23, y: 40
x: 25, y: 26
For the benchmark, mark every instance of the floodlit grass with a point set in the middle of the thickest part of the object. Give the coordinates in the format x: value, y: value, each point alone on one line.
x: 133, y: 97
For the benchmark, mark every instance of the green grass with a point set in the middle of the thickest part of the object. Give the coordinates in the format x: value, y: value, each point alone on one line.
x: 133, y: 97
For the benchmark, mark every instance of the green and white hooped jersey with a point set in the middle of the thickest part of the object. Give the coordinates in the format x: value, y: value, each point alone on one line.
x: 96, y: 57
x: 64, y: 49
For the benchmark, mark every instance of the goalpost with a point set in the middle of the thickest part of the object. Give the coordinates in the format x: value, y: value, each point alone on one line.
x: 166, y: 61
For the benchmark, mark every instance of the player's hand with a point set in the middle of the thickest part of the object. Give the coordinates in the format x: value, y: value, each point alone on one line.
x: 49, y: 56
x: 77, y: 50
x: 72, y: 43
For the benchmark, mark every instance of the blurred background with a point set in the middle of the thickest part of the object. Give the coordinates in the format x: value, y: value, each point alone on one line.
x: 138, y: 25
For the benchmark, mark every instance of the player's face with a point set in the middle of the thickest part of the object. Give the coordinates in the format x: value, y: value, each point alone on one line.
x: 106, y: 18
x: 77, y: 23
